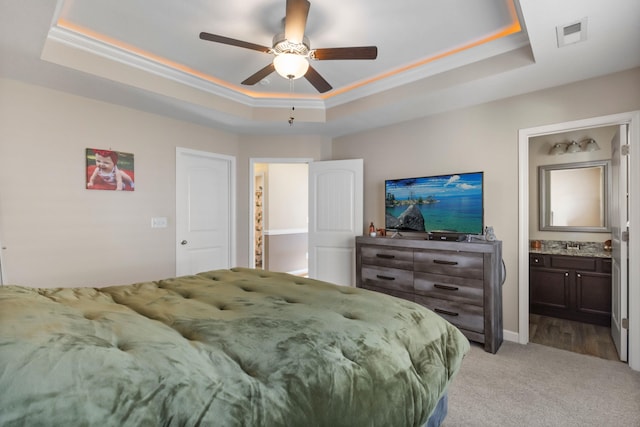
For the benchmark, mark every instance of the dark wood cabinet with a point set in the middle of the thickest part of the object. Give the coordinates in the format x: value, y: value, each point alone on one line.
x: 570, y: 287
x: 458, y: 280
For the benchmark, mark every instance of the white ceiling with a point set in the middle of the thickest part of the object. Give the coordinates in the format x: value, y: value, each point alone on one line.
x: 433, y: 56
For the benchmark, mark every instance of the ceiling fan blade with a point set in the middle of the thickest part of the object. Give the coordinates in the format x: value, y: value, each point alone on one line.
x: 317, y: 80
x: 296, y: 20
x: 256, y: 77
x: 361, y: 52
x: 233, y: 42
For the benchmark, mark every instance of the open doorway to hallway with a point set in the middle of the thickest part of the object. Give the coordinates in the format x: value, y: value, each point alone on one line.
x: 280, y: 215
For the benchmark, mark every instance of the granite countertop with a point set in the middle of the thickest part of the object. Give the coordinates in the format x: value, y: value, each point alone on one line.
x: 557, y: 247
x: 572, y: 252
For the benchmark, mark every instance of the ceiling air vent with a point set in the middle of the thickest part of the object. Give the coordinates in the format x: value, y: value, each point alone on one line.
x: 572, y: 33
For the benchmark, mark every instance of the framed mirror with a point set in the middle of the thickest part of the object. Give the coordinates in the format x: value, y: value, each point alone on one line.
x: 575, y: 196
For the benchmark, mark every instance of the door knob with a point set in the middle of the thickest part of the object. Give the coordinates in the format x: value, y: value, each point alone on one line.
x: 184, y: 242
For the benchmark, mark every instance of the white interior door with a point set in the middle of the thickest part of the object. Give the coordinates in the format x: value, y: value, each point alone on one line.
x: 335, y: 218
x: 205, y: 220
x: 619, y: 254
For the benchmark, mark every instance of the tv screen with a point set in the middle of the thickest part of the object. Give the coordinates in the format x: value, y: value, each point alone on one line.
x: 444, y: 203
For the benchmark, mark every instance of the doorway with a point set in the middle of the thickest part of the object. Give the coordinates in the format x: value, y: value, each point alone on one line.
x: 555, y: 320
x: 632, y: 120
x: 335, y: 206
x: 279, y: 232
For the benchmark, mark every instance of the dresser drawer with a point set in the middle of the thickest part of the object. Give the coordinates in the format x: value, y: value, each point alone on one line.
x: 388, y: 278
x: 460, y: 264
x: 460, y: 289
x: 385, y: 257
x: 459, y: 280
x: 470, y: 317
x: 393, y: 292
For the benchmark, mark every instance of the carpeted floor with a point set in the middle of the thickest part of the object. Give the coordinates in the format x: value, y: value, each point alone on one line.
x: 535, y: 385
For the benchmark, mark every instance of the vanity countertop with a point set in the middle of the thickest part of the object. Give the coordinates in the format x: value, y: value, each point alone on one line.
x: 562, y: 247
x: 573, y: 252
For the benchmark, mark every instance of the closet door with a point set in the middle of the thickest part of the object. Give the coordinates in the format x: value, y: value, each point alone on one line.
x: 205, y: 215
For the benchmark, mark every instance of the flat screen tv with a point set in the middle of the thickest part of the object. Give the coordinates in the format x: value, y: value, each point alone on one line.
x: 436, y: 204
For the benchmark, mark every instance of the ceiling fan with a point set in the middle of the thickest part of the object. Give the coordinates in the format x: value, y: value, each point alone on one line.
x: 292, y: 50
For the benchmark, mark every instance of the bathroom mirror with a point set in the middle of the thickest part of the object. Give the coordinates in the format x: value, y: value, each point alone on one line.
x: 574, y: 196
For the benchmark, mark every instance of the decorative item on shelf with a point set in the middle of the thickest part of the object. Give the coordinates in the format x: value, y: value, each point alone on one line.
x: 536, y: 244
x: 372, y: 230
x: 381, y: 232
x: 607, y: 245
x: 489, y: 234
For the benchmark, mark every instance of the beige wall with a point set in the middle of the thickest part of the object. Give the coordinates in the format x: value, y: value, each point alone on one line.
x: 286, y: 196
x: 482, y: 138
x: 57, y: 233
x: 286, y: 252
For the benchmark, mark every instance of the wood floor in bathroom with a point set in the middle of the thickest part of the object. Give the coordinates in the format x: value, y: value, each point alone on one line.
x: 573, y: 336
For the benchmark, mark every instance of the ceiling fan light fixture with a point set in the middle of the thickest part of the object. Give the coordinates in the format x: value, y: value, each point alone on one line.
x: 291, y: 65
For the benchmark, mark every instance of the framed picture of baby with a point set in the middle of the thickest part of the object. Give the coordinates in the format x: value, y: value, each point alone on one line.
x: 109, y: 170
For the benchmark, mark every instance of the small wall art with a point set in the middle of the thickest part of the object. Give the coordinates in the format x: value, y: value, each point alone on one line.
x: 109, y: 170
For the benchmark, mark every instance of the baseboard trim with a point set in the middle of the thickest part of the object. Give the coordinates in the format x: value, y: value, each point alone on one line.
x: 511, y: 336
x: 284, y: 231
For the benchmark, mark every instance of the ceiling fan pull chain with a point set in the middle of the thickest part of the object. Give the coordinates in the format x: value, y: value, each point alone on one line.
x: 291, y: 117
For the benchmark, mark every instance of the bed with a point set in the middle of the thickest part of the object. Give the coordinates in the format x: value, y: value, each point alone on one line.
x: 238, y: 347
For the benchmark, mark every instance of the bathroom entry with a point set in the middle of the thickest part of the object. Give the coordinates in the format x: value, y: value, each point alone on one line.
x: 552, y: 330
x: 280, y: 216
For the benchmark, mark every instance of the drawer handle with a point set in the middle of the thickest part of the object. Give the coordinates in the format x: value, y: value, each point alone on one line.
x: 441, y: 311
x: 445, y: 287
x: 379, y: 276
x: 439, y: 261
x: 385, y: 256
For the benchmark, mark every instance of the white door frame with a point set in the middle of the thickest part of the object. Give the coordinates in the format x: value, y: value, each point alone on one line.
x: 232, y: 197
x: 252, y: 209
x: 632, y: 119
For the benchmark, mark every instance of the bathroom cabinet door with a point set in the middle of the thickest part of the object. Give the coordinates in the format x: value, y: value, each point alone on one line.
x: 593, y: 296
x: 549, y: 291
x: 570, y: 287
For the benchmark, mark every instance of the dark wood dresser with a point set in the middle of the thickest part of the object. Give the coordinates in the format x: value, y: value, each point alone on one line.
x: 461, y: 281
x: 570, y: 287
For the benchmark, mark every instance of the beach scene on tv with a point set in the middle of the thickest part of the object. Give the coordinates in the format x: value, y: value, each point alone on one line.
x: 447, y: 203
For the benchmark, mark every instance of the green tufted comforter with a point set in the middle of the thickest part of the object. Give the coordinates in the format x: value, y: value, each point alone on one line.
x: 233, y: 347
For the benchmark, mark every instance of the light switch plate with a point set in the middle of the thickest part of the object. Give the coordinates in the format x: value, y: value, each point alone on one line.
x: 159, y: 222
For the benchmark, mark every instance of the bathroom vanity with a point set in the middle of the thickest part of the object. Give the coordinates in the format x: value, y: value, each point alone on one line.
x: 574, y: 287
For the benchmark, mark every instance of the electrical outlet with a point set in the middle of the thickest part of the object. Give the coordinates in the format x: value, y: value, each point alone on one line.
x: 159, y: 222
